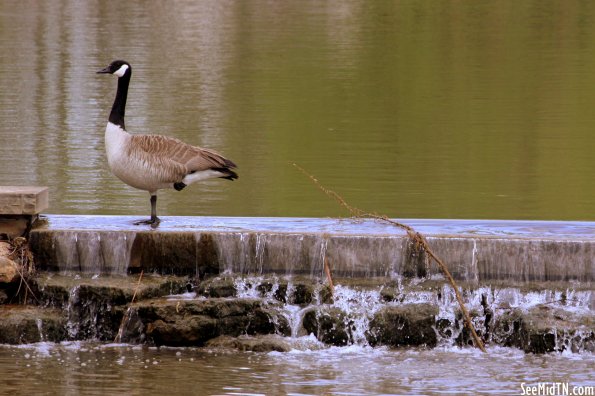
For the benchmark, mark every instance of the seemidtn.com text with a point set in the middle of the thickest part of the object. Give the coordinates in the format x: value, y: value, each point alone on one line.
x: 557, y: 388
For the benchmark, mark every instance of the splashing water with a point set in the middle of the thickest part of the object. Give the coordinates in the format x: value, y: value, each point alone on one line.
x: 359, y: 306
x: 345, y: 318
x: 73, y: 324
x: 247, y: 287
x: 39, y: 323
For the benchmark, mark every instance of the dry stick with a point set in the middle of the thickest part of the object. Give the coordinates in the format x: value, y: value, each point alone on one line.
x: 327, y: 270
x: 23, y: 279
x: 121, y: 327
x: 415, y: 236
x: 137, y: 286
x: 27, y: 287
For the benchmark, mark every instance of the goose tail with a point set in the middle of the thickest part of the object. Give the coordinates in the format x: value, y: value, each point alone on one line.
x: 223, y: 165
x: 227, y: 173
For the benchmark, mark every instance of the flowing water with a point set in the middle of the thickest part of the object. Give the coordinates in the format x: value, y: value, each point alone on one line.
x: 419, y: 109
x: 310, y: 367
x: 91, y: 369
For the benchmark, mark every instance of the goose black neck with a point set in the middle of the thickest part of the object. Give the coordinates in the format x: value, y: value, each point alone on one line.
x: 119, y: 108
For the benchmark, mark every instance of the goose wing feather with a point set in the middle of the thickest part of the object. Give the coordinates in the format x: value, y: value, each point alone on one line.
x: 174, y: 157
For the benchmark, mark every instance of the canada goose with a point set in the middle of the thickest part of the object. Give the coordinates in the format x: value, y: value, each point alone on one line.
x: 153, y: 162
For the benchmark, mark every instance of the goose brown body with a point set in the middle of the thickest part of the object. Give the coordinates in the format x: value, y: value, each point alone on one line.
x: 154, y: 162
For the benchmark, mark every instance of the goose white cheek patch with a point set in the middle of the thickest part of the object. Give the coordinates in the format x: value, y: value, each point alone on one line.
x: 120, y: 72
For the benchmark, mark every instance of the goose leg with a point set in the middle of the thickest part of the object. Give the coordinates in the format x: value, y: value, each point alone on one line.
x: 154, y: 221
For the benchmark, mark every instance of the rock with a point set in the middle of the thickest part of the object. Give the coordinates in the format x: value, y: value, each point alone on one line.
x: 96, y: 306
x: 5, y: 249
x: 25, y: 324
x: 94, y: 313
x: 297, y: 293
x: 410, y: 324
x: 507, y: 328
x: 545, y: 329
x: 280, y: 291
x: 464, y: 334
x: 266, y: 343
x: 217, y: 287
x: 302, y: 294
x: 195, y: 330
x: 330, y: 325
x: 194, y: 322
x: 8, y: 270
x: 131, y: 330
x: 445, y: 329
x: 14, y: 226
x: 390, y: 294
x: 325, y: 295
x: 268, y: 320
x: 449, y: 330
x: 56, y: 290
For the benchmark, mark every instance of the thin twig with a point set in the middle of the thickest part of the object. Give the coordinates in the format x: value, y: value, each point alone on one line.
x: 21, y: 249
x: 125, y: 317
x: 327, y: 271
x: 419, y: 239
x: 23, y: 280
x: 137, y: 285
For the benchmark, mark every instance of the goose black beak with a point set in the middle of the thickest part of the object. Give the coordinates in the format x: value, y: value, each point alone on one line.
x: 104, y: 71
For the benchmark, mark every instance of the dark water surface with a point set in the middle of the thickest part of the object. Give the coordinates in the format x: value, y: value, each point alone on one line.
x: 414, y: 109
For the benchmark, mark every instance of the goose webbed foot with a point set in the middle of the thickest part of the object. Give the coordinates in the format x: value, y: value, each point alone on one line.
x: 153, y: 222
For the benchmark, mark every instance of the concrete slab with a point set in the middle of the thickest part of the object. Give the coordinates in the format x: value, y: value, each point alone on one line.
x: 475, y: 250
x: 23, y: 200
x: 509, y: 229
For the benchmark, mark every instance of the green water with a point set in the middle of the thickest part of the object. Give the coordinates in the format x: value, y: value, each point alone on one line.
x: 413, y: 109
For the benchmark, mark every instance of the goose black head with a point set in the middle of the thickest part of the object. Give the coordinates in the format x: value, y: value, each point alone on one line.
x: 118, y: 68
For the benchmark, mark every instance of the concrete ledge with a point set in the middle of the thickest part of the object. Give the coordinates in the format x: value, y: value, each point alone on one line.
x: 475, y: 251
x: 23, y: 200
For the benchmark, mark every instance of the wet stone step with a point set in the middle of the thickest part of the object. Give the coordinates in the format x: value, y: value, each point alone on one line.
x: 60, y: 291
x: 294, y: 290
x: 21, y: 324
x: 408, y: 324
x: 262, y: 343
x: 181, y: 322
x: 546, y: 329
x: 253, y: 313
x: 79, y: 307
